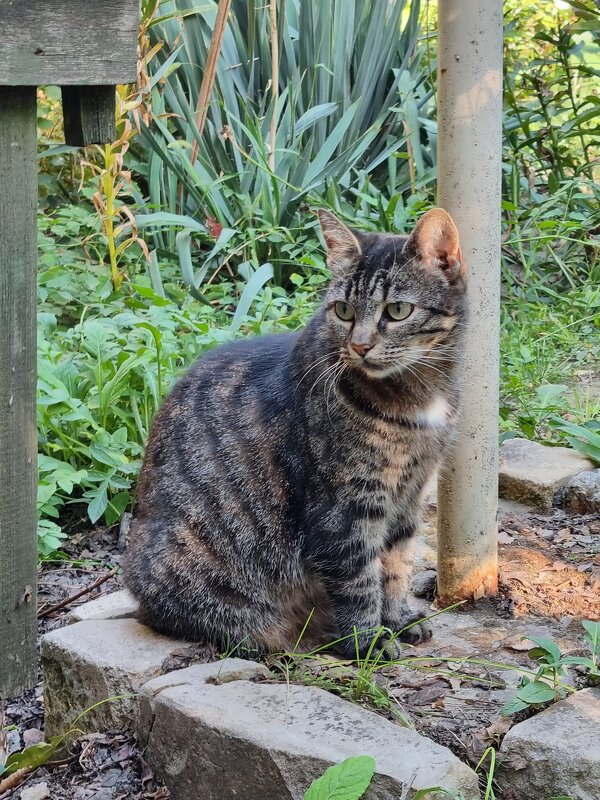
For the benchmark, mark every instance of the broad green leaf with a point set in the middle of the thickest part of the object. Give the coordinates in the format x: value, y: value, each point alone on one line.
x: 263, y: 274
x: 513, y: 707
x: 165, y: 219
x: 547, y: 649
x: 32, y: 757
x: 550, y: 393
x: 98, y: 503
x: 536, y: 692
x: 348, y: 780
x: 183, y: 242
x: 592, y: 636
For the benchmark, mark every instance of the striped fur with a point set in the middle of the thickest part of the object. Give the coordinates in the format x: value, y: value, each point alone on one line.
x: 285, y: 473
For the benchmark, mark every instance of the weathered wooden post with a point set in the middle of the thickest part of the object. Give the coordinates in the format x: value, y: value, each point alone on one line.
x: 469, y: 173
x: 86, y: 47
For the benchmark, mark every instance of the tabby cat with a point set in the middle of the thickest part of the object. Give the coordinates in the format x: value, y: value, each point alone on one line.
x: 284, y: 474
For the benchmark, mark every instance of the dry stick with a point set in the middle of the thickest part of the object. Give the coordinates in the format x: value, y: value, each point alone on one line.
x: 2, y: 735
x: 68, y: 600
x: 210, y: 70
x: 274, y: 80
x: 14, y: 780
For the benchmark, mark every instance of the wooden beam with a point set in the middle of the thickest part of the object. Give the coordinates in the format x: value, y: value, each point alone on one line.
x: 68, y: 42
x: 89, y: 114
x: 18, y: 437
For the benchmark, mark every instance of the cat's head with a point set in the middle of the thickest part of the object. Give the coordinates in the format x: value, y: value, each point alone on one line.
x: 394, y: 302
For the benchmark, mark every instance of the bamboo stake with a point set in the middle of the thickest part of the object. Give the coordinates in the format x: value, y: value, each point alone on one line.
x: 274, y: 80
x: 210, y: 70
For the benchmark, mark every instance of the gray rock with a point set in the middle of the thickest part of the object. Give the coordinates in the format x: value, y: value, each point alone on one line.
x: 39, y: 791
x: 582, y: 493
x: 94, y: 660
x: 115, y: 605
x: 557, y: 752
x: 269, y: 741
x: 424, y: 584
x: 532, y: 473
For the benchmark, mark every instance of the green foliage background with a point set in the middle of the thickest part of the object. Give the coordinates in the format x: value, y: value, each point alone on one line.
x: 149, y: 256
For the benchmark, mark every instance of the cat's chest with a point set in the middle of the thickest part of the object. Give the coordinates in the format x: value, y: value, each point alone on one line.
x: 394, y: 446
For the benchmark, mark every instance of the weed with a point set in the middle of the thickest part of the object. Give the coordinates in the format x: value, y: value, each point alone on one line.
x: 26, y: 761
x: 348, y: 780
x: 547, y: 685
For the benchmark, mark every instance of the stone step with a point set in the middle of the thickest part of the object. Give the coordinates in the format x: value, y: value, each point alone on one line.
x: 212, y: 731
x: 532, y: 473
x: 93, y: 660
x: 112, y: 605
x: 556, y: 752
x: 213, y: 735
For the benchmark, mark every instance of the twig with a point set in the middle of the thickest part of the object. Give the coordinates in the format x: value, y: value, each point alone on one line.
x: 210, y: 70
x: 14, y: 780
x: 2, y: 735
x: 86, y: 590
x: 274, y: 81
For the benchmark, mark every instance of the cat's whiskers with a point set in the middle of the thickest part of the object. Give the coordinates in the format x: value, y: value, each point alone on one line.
x: 315, y: 364
x: 415, y: 374
x: 324, y: 374
x: 332, y: 380
x: 425, y: 362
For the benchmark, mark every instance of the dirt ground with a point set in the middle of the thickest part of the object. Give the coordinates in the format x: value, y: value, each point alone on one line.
x: 550, y: 581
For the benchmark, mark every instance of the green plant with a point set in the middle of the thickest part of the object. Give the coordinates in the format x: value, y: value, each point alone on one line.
x: 585, y: 438
x: 24, y: 762
x: 348, y: 780
x: 552, y: 116
x: 547, y: 684
x: 342, y: 71
x: 106, y: 358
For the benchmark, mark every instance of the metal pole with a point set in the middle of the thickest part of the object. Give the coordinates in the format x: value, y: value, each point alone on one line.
x: 469, y: 188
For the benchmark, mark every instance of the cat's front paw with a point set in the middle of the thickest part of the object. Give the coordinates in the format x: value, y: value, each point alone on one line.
x: 411, y: 629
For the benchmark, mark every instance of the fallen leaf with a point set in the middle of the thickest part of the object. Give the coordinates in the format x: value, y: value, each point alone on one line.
x: 427, y: 695
x: 479, y: 592
x: 519, y: 644
x: 498, y: 728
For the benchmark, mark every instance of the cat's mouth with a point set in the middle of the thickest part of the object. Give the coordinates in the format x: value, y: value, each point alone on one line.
x: 378, y: 369
x: 371, y: 366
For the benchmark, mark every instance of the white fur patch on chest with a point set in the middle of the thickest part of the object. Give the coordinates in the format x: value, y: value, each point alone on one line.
x: 436, y: 414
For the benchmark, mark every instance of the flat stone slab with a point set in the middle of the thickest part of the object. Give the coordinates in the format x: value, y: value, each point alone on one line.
x: 557, y: 752
x: 96, y: 659
x: 114, y: 605
x: 532, y: 473
x: 212, y: 734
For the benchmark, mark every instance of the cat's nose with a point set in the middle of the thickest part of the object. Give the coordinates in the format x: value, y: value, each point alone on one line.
x: 361, y: 348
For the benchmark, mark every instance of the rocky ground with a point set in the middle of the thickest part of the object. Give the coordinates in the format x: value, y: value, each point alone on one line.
x: 550, y: 580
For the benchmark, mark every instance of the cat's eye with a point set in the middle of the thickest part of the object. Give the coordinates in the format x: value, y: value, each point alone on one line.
x: 344, y: 311
x: 399, y: 311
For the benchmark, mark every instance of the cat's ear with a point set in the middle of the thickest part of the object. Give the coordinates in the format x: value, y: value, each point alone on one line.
x: 343, y: 246
x: 435, y: 242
